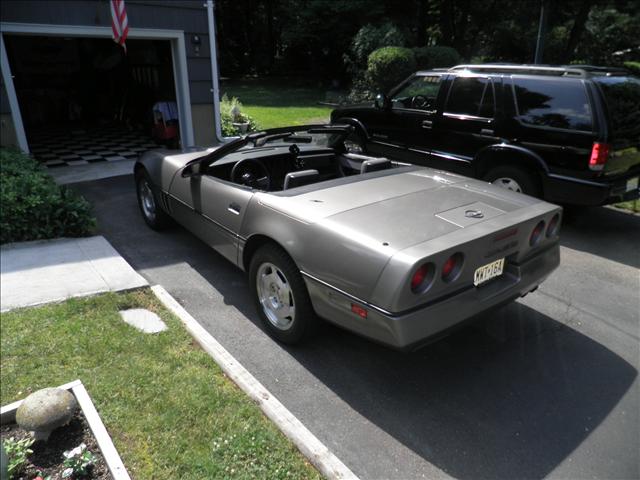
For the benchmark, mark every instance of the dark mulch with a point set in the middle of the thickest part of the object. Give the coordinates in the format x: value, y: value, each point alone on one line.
x: 47, y: 457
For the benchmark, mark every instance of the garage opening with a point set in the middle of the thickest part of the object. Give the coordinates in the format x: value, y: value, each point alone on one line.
x: 84, y: 100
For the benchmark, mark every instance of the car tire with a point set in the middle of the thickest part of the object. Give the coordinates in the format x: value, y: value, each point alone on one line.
x: 150, y: 208
x: 281, y: 296
x: 515, y: 179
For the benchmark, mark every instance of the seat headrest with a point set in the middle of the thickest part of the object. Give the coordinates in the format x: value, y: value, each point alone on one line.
x: 302, y: 177
x: 375, y: 165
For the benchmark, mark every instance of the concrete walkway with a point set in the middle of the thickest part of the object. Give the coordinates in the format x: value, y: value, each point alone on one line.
x: 92, y: 171
x: 45, y: 271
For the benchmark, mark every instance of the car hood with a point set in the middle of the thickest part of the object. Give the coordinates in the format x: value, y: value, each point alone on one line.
x: 400, y: 210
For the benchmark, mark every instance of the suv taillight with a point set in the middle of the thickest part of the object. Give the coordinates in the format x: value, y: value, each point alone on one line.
x: 599, y: 156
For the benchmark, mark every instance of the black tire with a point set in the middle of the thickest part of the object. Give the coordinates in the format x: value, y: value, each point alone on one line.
x: 527, y: 180
x: 151, y: 211
x: 304, y: 323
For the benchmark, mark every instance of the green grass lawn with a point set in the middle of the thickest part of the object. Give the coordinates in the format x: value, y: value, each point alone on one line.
x: 171, y: 412
x: 633, y: 205
x: 278, y: 103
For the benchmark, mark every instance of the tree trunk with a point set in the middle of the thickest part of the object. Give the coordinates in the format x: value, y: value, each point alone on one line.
x: 421, y: 30
x: 577, y: 29
x: 271, y: 41
x: 446, y: 21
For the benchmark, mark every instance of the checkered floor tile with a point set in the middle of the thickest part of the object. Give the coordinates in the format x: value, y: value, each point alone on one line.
x: 64, y: 147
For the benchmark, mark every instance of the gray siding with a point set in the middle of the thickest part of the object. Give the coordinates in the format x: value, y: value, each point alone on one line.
x: 188, y: 16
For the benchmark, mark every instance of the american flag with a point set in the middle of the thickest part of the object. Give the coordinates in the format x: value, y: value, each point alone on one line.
x: 119, y: 22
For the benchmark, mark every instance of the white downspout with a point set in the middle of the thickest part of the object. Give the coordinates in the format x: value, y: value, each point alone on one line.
x: 215, y: 88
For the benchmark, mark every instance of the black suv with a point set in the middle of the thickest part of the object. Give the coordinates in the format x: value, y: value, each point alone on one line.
x: 568, y: 134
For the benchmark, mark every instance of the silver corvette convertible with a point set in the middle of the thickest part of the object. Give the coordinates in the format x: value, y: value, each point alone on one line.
x: 397, y: 253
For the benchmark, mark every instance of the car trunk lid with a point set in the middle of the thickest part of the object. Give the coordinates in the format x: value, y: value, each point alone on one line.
x: 401, y: 210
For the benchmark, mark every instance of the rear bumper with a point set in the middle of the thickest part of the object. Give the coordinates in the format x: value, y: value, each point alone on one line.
x: 407, y: 330
x: 573, y: 191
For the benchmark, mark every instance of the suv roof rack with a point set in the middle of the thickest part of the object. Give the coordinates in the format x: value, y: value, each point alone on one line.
x: 551, y: 70
x: 559, y: 71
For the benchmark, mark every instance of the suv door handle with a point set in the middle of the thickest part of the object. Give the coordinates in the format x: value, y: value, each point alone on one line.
x: 427, y: 124
x: 234, y: 208
x: 487, y: 131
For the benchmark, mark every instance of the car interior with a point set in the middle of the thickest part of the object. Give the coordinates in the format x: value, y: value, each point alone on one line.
x: 279, y: 168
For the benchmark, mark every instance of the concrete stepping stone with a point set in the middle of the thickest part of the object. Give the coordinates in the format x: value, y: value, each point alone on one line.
x: 143, y: 320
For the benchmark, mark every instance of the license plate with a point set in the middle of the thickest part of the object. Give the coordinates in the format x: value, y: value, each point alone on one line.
x: 632, y: 184
x: 488, y: 271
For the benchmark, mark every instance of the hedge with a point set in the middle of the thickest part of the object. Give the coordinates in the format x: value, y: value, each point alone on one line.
x: 388, y: 66
x: 33, y: 206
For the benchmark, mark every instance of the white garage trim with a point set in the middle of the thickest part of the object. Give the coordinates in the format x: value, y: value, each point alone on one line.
x: 16, y: 116
x: 178, y: 54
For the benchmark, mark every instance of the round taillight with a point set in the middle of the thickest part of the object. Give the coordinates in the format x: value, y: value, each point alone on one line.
x: 554, y: 226
x: 452, y: 267
x: 536, y: 234
x: 423, y: 278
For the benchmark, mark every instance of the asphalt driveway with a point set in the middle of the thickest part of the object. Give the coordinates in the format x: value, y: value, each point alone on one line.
x: 548, y: 386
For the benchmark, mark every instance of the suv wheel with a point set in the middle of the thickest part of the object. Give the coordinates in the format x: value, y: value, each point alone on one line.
x: 514, y: 179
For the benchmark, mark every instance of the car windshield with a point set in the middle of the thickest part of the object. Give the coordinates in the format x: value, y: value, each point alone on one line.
x: 623, y: 101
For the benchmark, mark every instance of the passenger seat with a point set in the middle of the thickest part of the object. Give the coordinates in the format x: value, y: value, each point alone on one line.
x: 375, y: 165
x: 302, y: 177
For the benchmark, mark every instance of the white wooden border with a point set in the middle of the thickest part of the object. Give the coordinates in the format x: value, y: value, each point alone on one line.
x: 312, y: 448
x: 109, y: 452
x: 178, y: 54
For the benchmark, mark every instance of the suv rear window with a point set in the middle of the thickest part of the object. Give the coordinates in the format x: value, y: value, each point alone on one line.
x: 471, y: 96
x: 622, y: 95
x: 557, y: 103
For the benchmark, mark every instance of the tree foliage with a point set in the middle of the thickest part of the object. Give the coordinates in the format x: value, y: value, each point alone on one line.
x: 331, y: 39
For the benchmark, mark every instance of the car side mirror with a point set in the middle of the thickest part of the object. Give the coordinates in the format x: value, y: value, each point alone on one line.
x: 192, y: 170
x: 382, y: 101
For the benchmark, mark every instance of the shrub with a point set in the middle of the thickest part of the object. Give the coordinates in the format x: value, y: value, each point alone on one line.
x: 230, y: 113
x: 33, y: 207
x: 368, y: 39
x: 388, y: 66
x: 436, y: 57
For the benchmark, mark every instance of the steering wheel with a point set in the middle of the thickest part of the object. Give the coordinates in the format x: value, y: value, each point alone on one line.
x: 252, y: 173
x: 420, y: 101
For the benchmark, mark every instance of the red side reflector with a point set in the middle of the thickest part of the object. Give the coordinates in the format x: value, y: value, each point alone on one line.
x: 599, y: 156
x: 358, y: 310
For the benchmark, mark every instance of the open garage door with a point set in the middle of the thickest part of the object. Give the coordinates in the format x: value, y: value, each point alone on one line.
x: 84, y: 100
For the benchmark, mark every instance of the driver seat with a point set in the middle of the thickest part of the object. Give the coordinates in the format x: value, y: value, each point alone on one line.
x: 299, y: 178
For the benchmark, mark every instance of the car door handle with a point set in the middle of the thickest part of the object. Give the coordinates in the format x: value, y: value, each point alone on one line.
x: 427, y: 124
x: 234, y: 208
x: 487, y: 131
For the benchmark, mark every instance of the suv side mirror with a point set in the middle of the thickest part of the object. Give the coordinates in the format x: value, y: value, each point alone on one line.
x: 382, y: 101
x: 192, y: 170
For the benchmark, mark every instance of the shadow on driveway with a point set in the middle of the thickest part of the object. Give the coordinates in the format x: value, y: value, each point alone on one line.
x: 512, y: 396
x: 605, y: 232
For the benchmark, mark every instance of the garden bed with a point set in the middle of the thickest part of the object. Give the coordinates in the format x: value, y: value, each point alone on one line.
x: 48, y: 458
x: 85, y: 427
